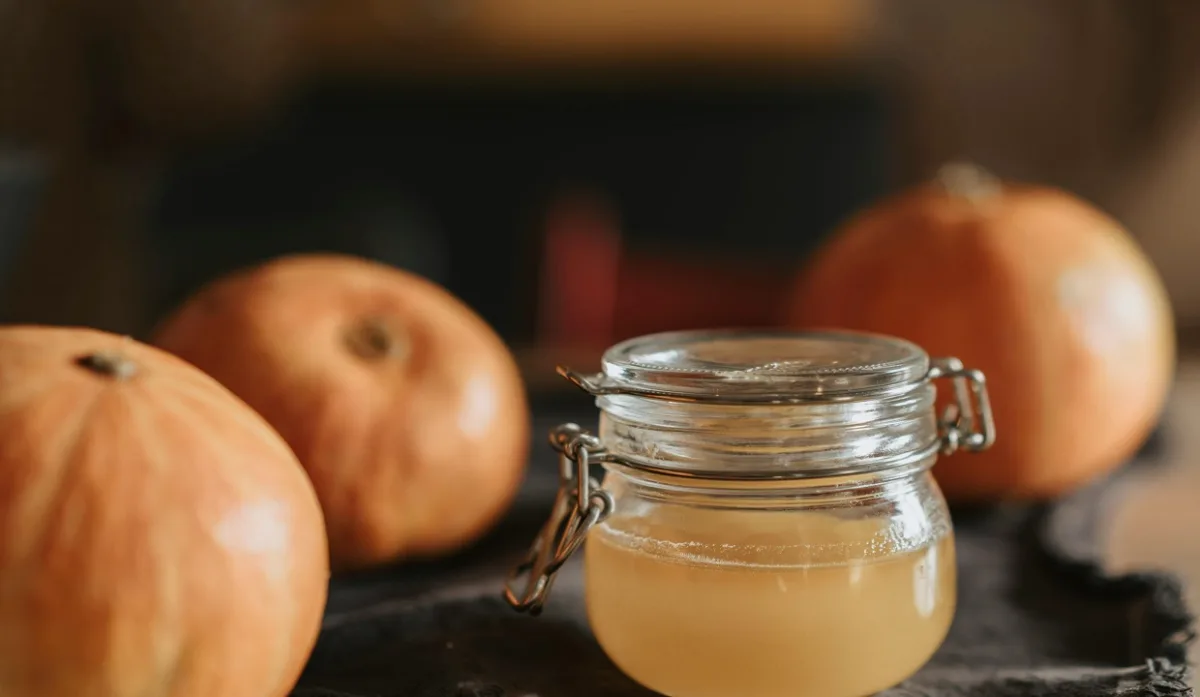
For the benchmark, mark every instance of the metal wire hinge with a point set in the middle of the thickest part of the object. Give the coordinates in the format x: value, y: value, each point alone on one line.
x: 579, y: 504
x: 968, y: 423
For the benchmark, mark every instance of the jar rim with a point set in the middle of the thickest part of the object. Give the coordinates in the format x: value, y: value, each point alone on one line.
x: 760, y: 365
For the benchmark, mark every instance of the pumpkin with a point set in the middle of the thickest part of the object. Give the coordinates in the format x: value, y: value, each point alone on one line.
x: 156, y: 536
x: 1047, y: 295
x: 405, y: 408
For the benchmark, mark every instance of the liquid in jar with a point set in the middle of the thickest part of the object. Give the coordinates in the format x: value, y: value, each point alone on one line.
x: 706, y: 602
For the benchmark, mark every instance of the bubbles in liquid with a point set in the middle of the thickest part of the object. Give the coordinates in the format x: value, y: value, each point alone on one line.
x: 695, y: 602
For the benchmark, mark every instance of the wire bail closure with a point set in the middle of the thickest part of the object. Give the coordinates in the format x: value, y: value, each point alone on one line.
x: 580, y: 503
x: 968, y: 423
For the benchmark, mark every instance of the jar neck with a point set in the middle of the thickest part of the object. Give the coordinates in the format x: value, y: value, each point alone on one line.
x: 811, y: 440
x: 791, y: 494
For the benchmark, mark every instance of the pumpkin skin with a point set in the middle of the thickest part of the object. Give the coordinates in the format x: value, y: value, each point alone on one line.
x: 156, y: 536
x: 405, y: 408
x: 1045, y: 294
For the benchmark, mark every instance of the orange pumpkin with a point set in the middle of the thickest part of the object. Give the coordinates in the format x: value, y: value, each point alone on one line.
x: 1047, y: 295
x: 156, y: 536
x: 404, y: 406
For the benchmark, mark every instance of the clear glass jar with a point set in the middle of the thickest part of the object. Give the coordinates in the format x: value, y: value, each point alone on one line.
x: 767, y: 524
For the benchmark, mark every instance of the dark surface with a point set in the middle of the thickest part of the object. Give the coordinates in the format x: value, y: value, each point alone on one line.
x: 1036, y: 616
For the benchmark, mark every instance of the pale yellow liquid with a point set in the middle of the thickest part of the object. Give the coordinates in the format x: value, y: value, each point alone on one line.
x: 697, y: 602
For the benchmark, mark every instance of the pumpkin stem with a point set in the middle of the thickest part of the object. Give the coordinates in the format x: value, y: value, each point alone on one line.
x: 968, y: 180
x: 374, y: 339
x: 109, y: 364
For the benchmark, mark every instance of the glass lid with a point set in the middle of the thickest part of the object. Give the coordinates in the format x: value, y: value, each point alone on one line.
x: 752, y: 365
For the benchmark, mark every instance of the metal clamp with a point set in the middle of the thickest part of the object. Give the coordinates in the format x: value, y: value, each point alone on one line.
x: 579, y: 504
x: 968, y: 423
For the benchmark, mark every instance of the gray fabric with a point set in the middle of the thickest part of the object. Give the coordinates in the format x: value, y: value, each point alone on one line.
x: 1036, y: 617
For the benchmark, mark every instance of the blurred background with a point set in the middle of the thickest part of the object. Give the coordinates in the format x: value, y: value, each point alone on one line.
x: 578, y: 172
x: 692, y: 152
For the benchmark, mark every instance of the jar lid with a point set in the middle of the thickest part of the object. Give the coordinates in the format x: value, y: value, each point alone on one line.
x: 758, y: 366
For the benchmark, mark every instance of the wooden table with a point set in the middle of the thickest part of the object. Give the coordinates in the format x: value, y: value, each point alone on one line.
x: 1155, y: 523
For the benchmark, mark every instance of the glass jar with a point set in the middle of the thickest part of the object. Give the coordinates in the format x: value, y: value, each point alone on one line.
x: 767, y: 524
